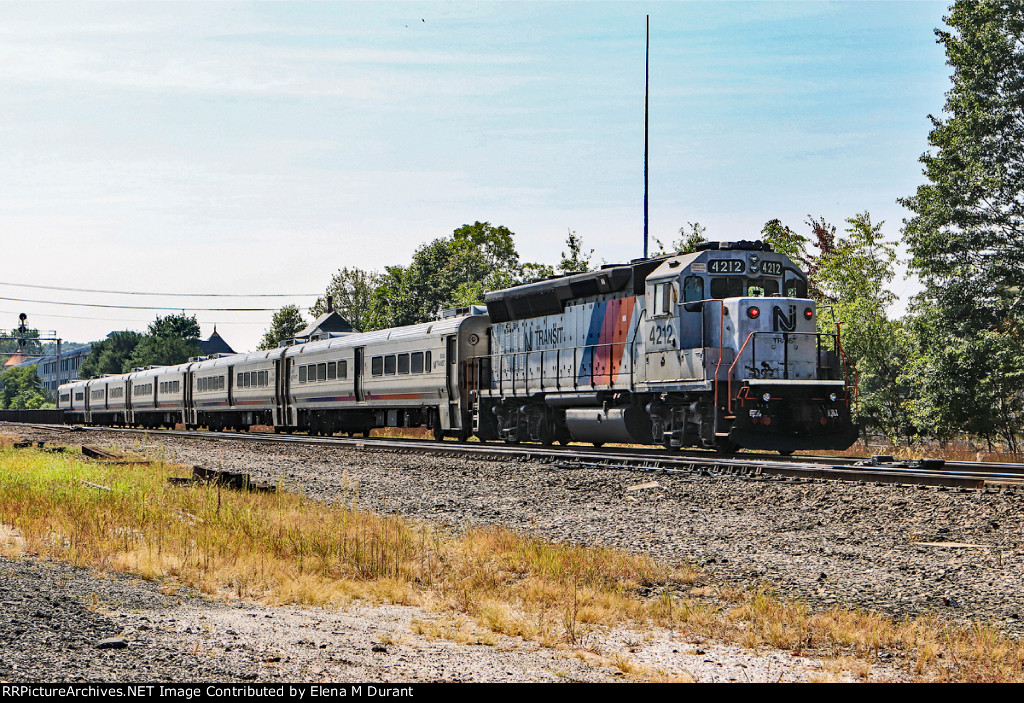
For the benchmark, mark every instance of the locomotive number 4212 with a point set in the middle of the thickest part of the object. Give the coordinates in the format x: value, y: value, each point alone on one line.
x: 727, y: 266
x: 663, y: 334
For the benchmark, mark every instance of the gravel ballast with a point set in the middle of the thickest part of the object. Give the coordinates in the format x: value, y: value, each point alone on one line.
x: 898, y: 550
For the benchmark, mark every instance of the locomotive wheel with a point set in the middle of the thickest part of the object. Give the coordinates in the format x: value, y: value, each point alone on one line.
x: 546, y: 436
x: 724, y: 446
x: 786, y: 452
x: 438, y: 430
x: 598, y: 444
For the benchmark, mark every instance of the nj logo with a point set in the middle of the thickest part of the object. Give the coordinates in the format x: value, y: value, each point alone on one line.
x: 782, y: 322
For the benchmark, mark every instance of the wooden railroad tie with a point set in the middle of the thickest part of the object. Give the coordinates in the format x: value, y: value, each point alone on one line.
x: 229, y: 479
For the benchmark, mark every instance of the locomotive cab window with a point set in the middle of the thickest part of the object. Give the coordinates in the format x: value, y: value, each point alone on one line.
x: 762, y: 287
x: 664, y: 297
x: 693, y: 289
x: 726, y: 287
x: 795, y: 285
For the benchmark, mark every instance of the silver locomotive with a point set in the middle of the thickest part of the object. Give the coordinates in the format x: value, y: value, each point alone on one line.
x: 717, y: 348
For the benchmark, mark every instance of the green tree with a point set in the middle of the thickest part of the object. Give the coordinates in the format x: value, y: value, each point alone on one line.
x: 690, y: 237
x: 110, y: 355
x: 22, y: 389
x: 170, y: 340
x: 785, y: 241
x: 966, y: 234
x: 286, y: 323
x: 854, y: 274
x: 351, y: 290
x: 573, y: 259
x: 448, y: 272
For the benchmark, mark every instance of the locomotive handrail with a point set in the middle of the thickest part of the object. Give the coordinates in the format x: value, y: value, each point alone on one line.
x: 721, y: 348
x: 785, y: 336
x: 846, y: 370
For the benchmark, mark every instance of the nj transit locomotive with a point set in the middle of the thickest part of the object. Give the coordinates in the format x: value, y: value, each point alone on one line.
x: 717, y: 348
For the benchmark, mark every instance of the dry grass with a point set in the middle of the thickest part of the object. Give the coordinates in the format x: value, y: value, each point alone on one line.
x: 482, y: 584
x: 283, y: 548
x: 951, y: 451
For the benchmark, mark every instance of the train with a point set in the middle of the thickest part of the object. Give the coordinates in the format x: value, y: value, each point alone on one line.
x: 717, y: 348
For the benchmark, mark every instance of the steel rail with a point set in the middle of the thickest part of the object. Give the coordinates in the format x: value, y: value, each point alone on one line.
x: 1003, y: 475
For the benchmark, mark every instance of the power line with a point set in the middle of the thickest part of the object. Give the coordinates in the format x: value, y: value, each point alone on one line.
x: 120, y: 319
x: 138, y: 307
x: 171, y: 295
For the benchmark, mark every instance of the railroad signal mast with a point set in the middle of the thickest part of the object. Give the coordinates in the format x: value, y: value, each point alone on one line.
x: 23, y: 338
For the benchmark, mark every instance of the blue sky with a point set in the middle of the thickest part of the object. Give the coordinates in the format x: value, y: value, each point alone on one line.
x: 256, y: 148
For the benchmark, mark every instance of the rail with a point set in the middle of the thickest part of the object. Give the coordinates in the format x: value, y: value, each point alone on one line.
x: 970, y: 475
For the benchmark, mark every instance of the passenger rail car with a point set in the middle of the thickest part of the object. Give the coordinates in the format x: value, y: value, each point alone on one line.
x: 403, y: 377
x: 717, y: 348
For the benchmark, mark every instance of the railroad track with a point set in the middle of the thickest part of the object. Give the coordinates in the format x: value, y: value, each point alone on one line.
x: 925, y: 472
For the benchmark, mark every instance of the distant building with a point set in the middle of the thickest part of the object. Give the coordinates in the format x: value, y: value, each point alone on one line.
x: 15, y: 359
x: 215, y: 345
x: 51, y: 369
x: 328, y: 325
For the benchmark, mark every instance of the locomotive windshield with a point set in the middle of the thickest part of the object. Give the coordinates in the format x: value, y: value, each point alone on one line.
x: 796, y: 286
x: 738, y: 287
x: 762, y: 287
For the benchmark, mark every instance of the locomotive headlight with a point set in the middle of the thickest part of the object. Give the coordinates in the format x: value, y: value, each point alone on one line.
x: 766, y: 397
x: 753, y: 313
x: 833, y: 396
x: 808, y: 314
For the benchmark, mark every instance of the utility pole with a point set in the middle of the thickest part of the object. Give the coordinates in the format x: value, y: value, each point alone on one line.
x: 647, y: 91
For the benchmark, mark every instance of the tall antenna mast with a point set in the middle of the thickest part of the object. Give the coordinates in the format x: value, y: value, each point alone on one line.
x: 647, y: 90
